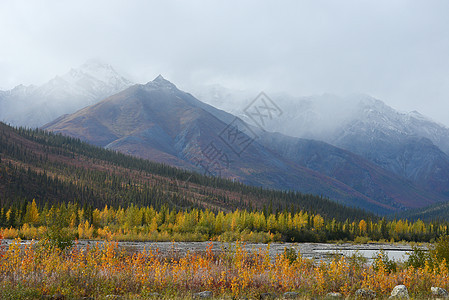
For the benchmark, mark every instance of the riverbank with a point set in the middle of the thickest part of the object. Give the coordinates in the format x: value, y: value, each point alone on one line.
x: 314, y: 251
x: 94, y: 269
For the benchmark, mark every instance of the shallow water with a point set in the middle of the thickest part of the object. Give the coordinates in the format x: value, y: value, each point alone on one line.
x: 316, y: 251
x: 399, y: 255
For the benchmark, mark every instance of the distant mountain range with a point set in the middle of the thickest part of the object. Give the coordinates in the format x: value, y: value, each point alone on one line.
x: 34, y: 106
x: 332, y: 118
x: 355, y: 150
x: 159, y: 122
x: 407, y: 144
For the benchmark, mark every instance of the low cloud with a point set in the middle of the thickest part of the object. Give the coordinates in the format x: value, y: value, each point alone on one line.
x: 396, y: 51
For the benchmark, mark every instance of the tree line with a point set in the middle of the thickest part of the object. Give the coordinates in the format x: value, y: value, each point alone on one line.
x: 147, y: 223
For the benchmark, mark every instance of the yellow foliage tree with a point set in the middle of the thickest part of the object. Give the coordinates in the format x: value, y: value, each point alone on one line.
x: 32, y: 213
x: 362, y: 226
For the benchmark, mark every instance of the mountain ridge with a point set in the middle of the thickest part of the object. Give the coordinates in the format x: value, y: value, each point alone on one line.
x: 403, y: 143
x: 158, y: 121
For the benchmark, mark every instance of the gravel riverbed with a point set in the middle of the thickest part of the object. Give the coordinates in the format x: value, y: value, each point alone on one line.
x: 316, y: 251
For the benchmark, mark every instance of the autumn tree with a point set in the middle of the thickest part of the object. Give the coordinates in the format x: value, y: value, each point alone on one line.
x: 32, y: 213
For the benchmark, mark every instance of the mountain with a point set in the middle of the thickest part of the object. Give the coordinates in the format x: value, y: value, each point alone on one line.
x: 407, y: 144
x: 353, y: 170
x: 54, y: 169
x: 159, y: 122
x: 34, y: 106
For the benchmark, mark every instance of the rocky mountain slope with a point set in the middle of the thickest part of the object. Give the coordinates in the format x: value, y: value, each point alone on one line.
x: 159, y: 122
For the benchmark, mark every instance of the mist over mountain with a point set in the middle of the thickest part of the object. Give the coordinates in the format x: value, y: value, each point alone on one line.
x: 329, y: 117
x: 34, y: 106
x: 157, y: 121
x: 407, y: 144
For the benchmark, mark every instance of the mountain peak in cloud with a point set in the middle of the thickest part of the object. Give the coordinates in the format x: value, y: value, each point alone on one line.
x: 100, y: 71
x: 34, y: 106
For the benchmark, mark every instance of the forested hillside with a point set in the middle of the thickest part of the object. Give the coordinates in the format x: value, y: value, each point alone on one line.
x: 52, y: 168
x: 49, y: 180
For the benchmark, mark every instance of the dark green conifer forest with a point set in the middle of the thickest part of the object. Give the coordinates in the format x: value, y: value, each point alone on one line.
x: 43, y: 175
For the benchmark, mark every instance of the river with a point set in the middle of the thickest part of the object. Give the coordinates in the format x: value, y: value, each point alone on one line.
x: 316, y: 251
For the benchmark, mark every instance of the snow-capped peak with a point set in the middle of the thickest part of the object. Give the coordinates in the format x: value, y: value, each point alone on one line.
x: 99, y: 71
x: 22, y: 90
x: 80, y: 87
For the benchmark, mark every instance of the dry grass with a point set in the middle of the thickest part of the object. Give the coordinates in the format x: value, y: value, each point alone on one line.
x: 38, y: 269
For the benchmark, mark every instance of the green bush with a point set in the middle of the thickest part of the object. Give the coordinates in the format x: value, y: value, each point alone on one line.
x: 381, y: 259
x: 361, y: 240
x: 61, y: 238
x: 441, y: 250
x: 357, y: 261
x: 418, y: 258
x: 290, y: 254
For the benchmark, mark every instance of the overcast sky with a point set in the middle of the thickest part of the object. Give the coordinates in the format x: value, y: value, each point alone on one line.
x: 397, y: 51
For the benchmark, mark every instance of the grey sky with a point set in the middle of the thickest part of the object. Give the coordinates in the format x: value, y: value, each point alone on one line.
x: 397, y: 51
